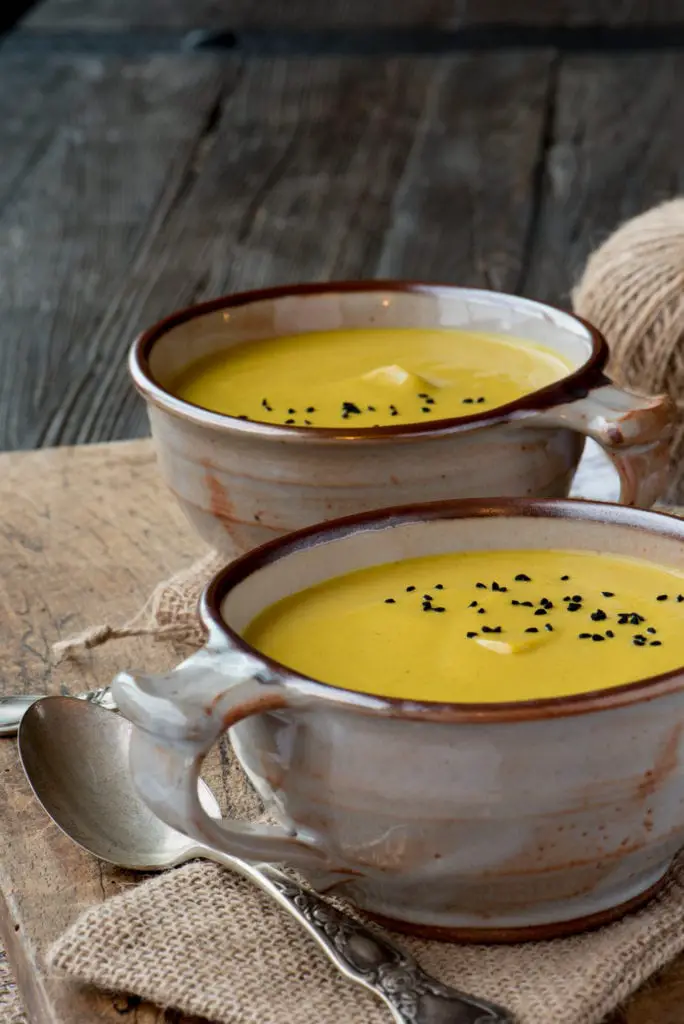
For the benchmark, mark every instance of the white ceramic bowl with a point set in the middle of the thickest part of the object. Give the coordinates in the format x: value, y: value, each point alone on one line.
x: 496, y: 821
x: 243, y: 483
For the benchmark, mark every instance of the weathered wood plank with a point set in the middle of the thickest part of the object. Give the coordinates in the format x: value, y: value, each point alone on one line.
x: 315, y: 169
x: 94, y: 155
x: 615, y: 148
x: 117, y: 15
x: 84, y: 534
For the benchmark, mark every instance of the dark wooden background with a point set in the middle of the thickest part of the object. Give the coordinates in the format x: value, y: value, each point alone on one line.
x: 155, y: 153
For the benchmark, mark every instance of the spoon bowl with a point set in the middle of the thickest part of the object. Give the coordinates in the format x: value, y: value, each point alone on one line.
x: 75, y: 756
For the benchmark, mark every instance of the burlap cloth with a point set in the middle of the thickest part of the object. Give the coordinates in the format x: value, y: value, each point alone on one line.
x: 208, y: 943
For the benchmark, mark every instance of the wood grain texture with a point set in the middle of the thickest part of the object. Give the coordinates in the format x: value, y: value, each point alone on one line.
x: 615, y: 146
x: 108, y: 15
x: 94, y: 155
x: 153, y: 194
x: 85, y: 534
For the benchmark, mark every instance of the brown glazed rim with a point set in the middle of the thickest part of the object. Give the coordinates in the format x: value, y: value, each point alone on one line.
x: 575, y: 385
x: 551, y: 707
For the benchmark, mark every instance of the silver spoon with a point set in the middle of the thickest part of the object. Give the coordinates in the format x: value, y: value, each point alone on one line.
x: 14, y: 706
x: 75, y: 755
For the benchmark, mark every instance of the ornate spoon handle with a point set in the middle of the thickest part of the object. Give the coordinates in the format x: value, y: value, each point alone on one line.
x: 374, y: 961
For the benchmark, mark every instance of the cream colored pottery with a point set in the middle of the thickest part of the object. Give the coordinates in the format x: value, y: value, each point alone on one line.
x: 499, y: 821
x: 242, y: 483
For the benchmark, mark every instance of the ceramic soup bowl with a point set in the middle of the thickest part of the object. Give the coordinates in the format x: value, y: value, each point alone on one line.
x: 491, y: 821
x: 242, y: 483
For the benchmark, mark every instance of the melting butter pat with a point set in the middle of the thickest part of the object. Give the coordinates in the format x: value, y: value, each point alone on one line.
x: 395, y: 376
x: 512, y: 646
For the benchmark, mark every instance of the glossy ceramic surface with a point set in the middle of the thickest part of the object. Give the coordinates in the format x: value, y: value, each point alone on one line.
x: 498, y: 821
x: 242, y: 484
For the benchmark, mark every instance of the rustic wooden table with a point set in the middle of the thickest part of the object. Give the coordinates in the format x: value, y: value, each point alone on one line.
x: 147, y: 163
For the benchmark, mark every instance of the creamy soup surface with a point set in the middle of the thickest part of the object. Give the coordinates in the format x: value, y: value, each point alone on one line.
x: 482, y: 626
x: 368, y: 377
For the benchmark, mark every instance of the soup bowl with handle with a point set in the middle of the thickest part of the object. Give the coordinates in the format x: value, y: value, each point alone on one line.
x: 496, y: 821
x: 241, y: 483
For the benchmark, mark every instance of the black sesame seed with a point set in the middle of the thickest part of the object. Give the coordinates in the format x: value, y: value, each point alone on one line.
x: 567, y: 598
x: 425, y: 408
x: 308, y: 423
x: 291, y: 411
x: 607, y: 593
x: 390, y: 600
x: 515, y: 602
x: 422, y: 394
x: 394, y: 412
x: 480, y: 400
x: 392, y: 408
x: 661, y: 597
x: 564, y: 578
x: 409, y: 590
x: 635, y: 619
x: 311, y: 408
x: 577, y: 597
x: 655, y: 643
x: 371, y: 408
x: 481, y: 611
x: 243, y: 417
x: 467, y: 401
x: 598, y: 616
x: 650, y: 629
x: 610, y: 633
x: 427, y: 607
x: 427, y: 597
x: 584, y: 636
x: 473, y: 604
x: 440, y: 609
x: 545, y: 603
x: 487, y: 629
x: 547, y: 625
x: 531, y: 629
x: 350, y: 407
x: 264, y: 402
x: 429, y: 401
x: 541, y: 611
x: 439, y: 586
x: 471, y: 635
x: 287, y: 422
x: 639, y: 636
x: 495, y: 586
x: 481, y: 586
x: 522, y: 578
x: 597, y: 637
x: 638, y: 643
x: 573, y: 607
x: 497, y: 629
x: 680, y: 598
x: 526, y: 604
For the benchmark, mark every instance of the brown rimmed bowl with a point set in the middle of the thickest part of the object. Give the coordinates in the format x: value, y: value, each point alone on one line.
x: 492, y: 822
x: 243, y: 483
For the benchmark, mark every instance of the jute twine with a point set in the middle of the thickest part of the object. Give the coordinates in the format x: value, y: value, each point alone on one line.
x: 632, y: 289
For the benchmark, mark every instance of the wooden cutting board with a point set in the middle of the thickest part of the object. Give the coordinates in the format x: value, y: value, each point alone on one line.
x: 85, y: 533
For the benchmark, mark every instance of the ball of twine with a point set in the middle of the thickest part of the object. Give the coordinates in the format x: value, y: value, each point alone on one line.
x: 632, y: 290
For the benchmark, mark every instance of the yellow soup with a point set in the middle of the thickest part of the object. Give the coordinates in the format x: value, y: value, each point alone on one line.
x: 482, y: 626
x: 368, y: 378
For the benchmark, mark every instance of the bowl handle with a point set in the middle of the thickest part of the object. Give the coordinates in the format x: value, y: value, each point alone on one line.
x: 176, y: 720
x: 634, y: 431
